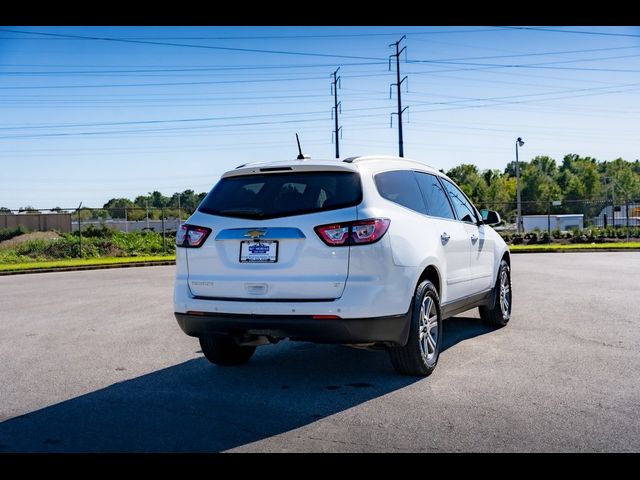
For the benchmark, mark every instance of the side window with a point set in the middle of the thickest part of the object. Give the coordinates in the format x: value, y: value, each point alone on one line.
x: 464, y: 209
x: 400, y: 187
x: 437, y: 203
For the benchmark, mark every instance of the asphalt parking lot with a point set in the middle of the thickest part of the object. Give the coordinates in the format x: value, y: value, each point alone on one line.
x: 94, y: 362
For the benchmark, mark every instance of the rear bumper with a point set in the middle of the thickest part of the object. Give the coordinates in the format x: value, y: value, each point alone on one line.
x: 391, y: 329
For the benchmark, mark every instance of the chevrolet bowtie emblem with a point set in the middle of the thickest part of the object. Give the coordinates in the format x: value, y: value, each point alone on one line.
x: 255, y: 233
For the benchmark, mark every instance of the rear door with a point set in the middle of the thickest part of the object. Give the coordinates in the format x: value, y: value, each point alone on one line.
x: 263, y: 245
x: 413, y: 234
x: 480, y: 244
x: 451, y: 233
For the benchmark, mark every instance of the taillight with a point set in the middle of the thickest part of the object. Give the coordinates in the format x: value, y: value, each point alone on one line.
x: 369, y: 231
x: 360, y: 232
x: 191, y: 236
x: 333, y: 234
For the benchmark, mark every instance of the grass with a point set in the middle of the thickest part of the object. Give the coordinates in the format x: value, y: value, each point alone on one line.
x: 83, y: 262
x: 576, y: 246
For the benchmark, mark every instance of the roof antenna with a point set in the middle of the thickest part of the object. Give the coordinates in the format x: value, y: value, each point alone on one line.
x: 300, y: 154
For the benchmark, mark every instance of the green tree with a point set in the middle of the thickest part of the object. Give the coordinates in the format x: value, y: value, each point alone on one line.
x: 579, y: 178
x: 4, y: 211
x: 29, y: 209
x: 187, y: 200
x: 624, y: 180
x: 158, y: 200
x: 500, y: 193
x: 116, y: 207
x: 539, y: 185
x: 85, y: 214
x: 469, y: 180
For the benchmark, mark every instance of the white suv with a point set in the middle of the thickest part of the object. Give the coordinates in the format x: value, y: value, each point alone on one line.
x: 369, y: 251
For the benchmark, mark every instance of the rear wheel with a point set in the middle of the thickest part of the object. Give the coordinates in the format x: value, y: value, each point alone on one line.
x: 499, y: 315
x: 224, y: 350
x: 420, y: 355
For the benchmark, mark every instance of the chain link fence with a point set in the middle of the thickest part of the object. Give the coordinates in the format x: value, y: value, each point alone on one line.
x: 602, y: 214
x: 86, y: 221
x: 618, y: 218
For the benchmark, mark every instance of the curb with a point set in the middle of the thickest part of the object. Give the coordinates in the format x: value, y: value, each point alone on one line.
x: 88, y: 267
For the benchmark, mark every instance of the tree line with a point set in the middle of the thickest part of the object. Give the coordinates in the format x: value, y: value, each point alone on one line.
x: 582, y: 184
x: 154, y: 204
x: 183, y: 203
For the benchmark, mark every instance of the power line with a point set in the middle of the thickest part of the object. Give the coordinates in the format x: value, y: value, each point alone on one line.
x: 581, y: 32
x: 179, y: 120
x: 162, y: 84
x: 185, y: 69
x: 207, y: 47
x: 162, y: 69
x: 274, y: 37
x: 93, y: 133
x: 533, y: 54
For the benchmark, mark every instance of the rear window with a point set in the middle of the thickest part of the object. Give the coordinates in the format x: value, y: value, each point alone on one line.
x: 282, y: 194
x: 400, y: 187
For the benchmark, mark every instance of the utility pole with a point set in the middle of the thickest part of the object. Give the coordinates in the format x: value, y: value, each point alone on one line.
x: 164, y: 239
x: 334, y: 111
x: 80, y: 228
x: 398, y: 84
x: 519, y: 142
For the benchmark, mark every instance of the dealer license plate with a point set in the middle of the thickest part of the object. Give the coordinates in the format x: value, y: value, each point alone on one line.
x: 262, y: 251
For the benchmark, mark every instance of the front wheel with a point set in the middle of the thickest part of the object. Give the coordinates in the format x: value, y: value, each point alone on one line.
x: 224, y: 350
x: 499, y: 315
x: 420, y: 355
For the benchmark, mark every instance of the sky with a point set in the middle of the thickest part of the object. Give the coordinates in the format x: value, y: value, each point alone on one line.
x: 93, y: 113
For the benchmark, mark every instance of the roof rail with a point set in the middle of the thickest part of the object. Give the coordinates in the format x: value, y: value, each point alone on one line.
x: 250, y: 164
x: 382, y: 157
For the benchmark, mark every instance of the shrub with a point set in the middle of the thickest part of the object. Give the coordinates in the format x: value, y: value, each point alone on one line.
x: 92, y: 231
x: 516, y: 239
x: 99, y: 243
x: 9, y: 233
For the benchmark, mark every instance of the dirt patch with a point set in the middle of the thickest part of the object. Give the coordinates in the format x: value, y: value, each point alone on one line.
x: 15, y: 241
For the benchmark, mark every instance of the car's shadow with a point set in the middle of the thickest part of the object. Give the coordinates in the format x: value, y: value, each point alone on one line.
x: 195, y: 406
x: 458, y: 329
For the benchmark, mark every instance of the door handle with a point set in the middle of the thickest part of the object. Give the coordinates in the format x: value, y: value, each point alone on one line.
x: 445, y: 237
x: 474, y: 237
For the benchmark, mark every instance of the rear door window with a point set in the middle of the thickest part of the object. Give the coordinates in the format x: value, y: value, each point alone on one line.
x: 434, y: 197
x: 282, y: 194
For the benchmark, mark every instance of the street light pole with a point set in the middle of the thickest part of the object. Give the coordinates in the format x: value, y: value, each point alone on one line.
x: 519, y: 142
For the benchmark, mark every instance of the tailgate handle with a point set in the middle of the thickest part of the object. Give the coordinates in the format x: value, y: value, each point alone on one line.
x: 256, y: 288
x: 264, y: 233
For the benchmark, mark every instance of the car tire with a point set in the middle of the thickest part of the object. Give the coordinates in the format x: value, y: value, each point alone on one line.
x: 420, y: 355
x: 223, y: 350
x: 499, y: 315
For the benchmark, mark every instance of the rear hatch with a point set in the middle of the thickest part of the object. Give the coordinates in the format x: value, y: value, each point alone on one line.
x: 263, y: 245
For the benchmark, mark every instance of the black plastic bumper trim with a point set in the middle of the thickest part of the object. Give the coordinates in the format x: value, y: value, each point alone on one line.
x: 392, y: 329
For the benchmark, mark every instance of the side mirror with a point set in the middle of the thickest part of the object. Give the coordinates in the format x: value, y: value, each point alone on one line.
x: 490, y: 217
